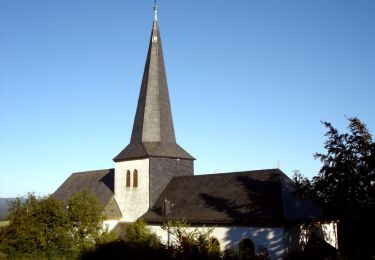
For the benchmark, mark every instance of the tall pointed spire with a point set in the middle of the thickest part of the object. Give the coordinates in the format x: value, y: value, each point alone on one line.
x: 153, y: 131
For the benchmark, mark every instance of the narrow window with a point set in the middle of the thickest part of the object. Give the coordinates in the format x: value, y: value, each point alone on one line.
x: 246, y: 248
x: 127, y: 178
x: 135, y: 178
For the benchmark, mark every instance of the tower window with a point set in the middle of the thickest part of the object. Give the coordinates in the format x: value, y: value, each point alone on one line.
x: 127, y: 178
x: 135, y: 178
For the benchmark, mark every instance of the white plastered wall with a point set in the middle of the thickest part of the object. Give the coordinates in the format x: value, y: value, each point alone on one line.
x: 132, y: 201
x: 326, y: 231
x: 230, y: 237
x: 109, y: 224
x: 330, y: 233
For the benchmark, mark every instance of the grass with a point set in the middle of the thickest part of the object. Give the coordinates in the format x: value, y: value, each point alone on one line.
x: 4, y: 223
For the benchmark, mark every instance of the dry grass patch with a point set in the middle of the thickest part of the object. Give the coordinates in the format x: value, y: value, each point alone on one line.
x: 4, y: 223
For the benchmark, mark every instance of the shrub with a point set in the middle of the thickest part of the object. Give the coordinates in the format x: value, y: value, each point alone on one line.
x: 138, y: 233
x: 47, y: 227
x: 192, y: 243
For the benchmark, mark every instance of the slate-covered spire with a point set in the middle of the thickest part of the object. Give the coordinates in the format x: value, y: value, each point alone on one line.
x: 153, y: 131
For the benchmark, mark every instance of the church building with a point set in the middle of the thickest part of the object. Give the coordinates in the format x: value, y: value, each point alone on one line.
x: 153, y: 179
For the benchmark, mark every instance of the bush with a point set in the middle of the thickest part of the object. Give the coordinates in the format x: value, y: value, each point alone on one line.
x: 46, y: 227
x: 138, y: 233
x: 127, y: 250
x: 192, y: 243
x: 141, y: 243
x: 36, y: 226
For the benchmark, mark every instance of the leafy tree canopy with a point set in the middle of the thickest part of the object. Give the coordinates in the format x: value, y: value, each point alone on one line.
x: 48, y: 226
x: 345, y: 185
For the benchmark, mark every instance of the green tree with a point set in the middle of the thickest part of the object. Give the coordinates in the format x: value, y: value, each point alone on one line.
x: 86, y: 219
x: 138, y: 233
x: 345, y: 185
x: 37, y: 226
x: 48, y: 226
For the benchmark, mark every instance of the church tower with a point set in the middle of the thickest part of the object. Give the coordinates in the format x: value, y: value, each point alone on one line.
x: 152, y: 158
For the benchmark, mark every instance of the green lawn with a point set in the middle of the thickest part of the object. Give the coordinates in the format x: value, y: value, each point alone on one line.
x: 4, y: 223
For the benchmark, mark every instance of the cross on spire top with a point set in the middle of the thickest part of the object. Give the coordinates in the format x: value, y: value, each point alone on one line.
x: 155, y: 11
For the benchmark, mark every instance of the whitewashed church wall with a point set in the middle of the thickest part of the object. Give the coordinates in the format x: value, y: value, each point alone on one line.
x: 330, y: 234
x: 326, y: 231
x: 297, y: 237
x: 109, y: 224
x: 229, y: 237
x: 132, y: 201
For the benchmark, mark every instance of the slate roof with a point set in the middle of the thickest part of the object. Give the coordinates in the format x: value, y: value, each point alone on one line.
x: 153, y: 132
x: 100, y: 183
x: 264, y: 197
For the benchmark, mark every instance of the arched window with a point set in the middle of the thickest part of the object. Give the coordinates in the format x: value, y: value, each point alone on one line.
x: 127, y: 178
x: 135, y: 178
x: 246, y: 248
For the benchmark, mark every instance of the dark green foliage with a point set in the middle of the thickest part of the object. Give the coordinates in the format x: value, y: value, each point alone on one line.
x: 192, y: 243
x: 346, y: 181
x: 37, y: 226
x: 231, y: 254
x: 47, y: 227
x: 84, y: 211
x: 345, y: 186
x: 127, y: 250
x: 141, y: 243
x: 138, y: 233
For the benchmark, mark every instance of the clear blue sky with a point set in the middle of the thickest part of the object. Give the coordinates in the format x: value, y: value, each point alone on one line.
x: 249, y: 82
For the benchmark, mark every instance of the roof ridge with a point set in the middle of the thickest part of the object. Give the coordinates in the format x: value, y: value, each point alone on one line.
x: 239, y: 172
x: 92, y: 171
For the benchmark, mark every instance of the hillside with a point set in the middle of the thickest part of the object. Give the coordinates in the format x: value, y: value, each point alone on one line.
x: 4, y: 207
